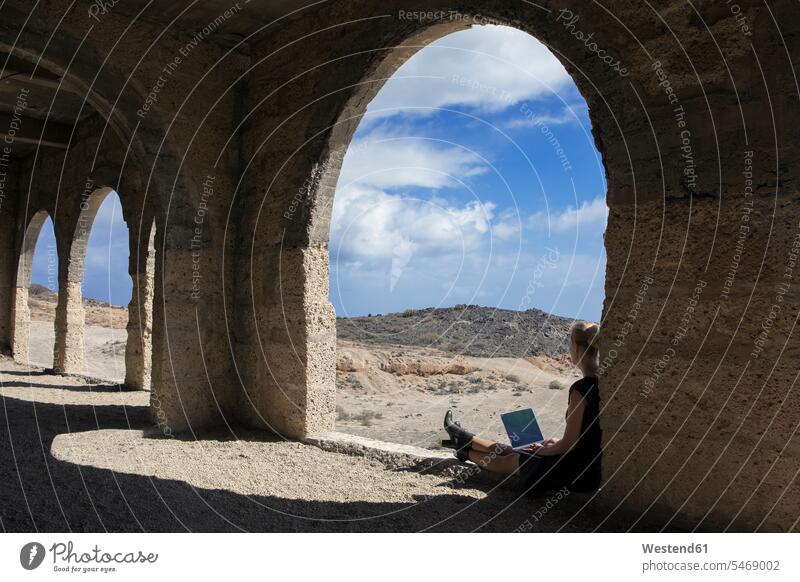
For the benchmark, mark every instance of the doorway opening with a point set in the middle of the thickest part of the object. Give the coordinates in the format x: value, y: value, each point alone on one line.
x: 36, y: 294
x: 466, y: 237
x: 103, y: 241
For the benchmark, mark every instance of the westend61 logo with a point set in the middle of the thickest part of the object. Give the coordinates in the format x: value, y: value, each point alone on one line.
x: 66, y: 559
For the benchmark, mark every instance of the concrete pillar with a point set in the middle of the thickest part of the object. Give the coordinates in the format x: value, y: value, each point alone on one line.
x: 68, y: 351
x: 292, y: 390
x: 699, y: 409
x: 7, y: 288
x: 20, y: 315
x: 8, y: 260
x: 21, y: 330
x: 190, y: 388
x: 139, y: 347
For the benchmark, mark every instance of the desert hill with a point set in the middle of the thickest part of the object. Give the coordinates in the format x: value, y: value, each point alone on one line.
x: 470, y: 330
x: 42, y: 303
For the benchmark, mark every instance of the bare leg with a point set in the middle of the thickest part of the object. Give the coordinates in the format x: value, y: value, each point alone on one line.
x: 484, y: 445
x: 487, y: 446
x: 497, y: 463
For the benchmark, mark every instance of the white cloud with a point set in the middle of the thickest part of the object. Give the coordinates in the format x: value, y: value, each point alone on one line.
x: 588, y: 214
x: 485, y: 67
x: 508, y: 225
x: 569, y: 115
x: 402, y: 162
x: 370, y: 225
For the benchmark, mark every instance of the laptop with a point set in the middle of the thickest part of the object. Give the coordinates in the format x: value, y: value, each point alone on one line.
x: 522, y: 428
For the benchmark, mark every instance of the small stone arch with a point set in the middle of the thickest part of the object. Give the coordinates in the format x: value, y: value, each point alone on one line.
x: 70, y: 313
x: 21, y: 316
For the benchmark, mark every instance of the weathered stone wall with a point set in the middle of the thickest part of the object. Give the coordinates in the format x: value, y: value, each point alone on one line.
x: 699, y: 417
x: 237, y: 159
x: 9, y: 185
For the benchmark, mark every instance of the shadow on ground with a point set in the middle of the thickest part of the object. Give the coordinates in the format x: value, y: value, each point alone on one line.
x: 41, y: 493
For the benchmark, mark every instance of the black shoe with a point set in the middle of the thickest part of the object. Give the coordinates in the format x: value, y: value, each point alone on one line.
x: 460, y: 439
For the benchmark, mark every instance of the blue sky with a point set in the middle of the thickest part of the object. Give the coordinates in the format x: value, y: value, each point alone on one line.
x: 473, y: 178
x: 106, y: 267
x: 452, y: 191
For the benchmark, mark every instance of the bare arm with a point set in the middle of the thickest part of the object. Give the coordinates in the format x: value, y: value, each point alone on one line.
x: 572, y: 431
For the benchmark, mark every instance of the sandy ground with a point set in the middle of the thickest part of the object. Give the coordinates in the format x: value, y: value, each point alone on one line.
x: 397, y: 394
x: 84, y: 457
x: 407, y: 405
x: 104, y: 350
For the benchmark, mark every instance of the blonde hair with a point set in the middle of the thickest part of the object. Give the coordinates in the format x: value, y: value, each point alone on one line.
x: 585, y: 334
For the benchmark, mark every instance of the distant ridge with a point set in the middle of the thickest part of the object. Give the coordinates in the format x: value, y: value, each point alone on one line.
x: 467, y: 329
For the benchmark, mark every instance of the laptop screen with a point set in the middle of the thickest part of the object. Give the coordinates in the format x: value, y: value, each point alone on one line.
x: 522, y: 427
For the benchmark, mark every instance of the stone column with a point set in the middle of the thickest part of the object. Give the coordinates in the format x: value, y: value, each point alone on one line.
x: 699, y: 374
x: 21, y: 315
x: 139, y: 347
x: 292, y: 370
x: 68, y: 351
x: 190, y: 387
x: 8, y: 262
x: 8, y: 298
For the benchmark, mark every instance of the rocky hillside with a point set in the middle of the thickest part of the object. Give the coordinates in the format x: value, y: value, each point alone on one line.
x: 467, y: 329
x: 42, y: 303
x: 470, y: 330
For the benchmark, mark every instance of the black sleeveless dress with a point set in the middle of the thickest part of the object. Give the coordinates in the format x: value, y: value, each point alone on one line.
x: 579, y: 469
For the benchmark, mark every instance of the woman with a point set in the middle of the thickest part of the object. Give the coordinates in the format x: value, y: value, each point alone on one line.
x: 574, y: 459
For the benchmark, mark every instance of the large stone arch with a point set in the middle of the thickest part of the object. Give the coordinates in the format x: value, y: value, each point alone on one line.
x: 21, y: 315
x: 676, y: 132
x: 289, y: 227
